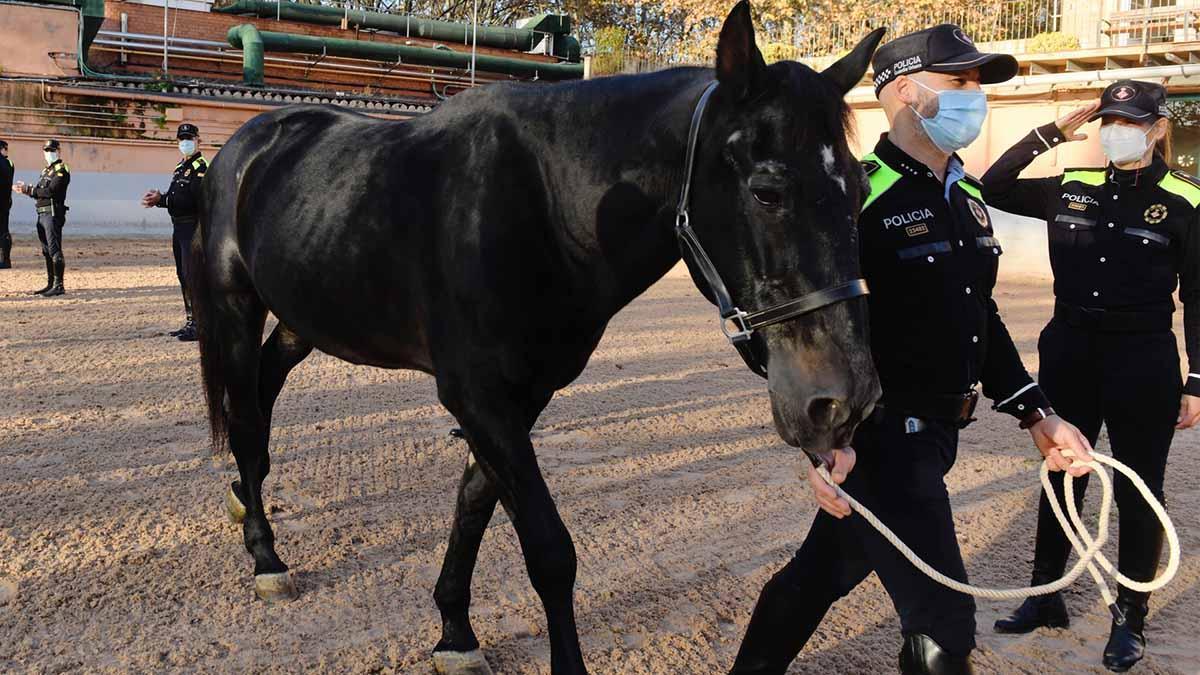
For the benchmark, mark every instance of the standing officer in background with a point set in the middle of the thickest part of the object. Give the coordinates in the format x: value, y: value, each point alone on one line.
x: 1122, y: 237
x: 182, y: 200
x: 930, y: 257
x: 6, y: 180
x: 50, y: 194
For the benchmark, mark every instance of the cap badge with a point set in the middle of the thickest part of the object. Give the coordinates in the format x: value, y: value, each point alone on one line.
x: 1123, y: 93
x: 1155, y: 214
x: 962, y: 37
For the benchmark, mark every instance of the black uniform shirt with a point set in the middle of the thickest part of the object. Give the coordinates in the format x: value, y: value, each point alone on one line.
x: 182, y: 199
x: 6, y: 181
x: 930, y: 257
x: 1119, y: 240
x: 51, y: 187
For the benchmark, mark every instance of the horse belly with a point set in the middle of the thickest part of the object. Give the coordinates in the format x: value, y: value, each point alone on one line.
x: 353, y: 299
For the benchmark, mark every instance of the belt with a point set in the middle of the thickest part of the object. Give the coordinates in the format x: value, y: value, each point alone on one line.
x: 954, y: 408
x: 49, y: 208
x: 1111, y: 320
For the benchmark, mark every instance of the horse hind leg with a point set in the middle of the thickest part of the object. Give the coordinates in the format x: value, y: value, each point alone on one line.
x: 241, y: 316
x: 282, y: 352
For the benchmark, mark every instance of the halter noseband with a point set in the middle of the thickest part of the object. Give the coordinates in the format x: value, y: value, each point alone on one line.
x: 738, y: 325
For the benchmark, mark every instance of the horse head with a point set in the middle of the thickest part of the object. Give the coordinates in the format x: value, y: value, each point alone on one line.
x: 774, y: 201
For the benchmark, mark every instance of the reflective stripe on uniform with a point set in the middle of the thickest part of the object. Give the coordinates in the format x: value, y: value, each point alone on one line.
x: 881, y: 179
x: 970, y: 189
x: 1087, y: 177
x: 1178, y: 186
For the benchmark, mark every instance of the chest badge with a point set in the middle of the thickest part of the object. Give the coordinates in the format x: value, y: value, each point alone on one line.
x: 916, y: 230
x: 979, y: 212
x: 1076, y: 206
x: 1155, y: 214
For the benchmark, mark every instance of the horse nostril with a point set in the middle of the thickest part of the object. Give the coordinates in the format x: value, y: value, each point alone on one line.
x: 827, y: 412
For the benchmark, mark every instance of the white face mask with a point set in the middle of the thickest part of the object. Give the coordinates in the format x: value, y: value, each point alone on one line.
x: 1123, y: 143
x: 187, y: 147
x: 51, y: 157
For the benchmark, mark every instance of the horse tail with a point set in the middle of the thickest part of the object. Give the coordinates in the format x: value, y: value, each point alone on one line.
x: 207, y: 320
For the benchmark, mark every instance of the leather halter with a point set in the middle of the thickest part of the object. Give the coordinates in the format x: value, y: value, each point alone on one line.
x: 739, y: 326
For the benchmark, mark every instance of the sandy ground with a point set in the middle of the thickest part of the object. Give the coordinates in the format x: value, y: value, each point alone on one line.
x: 115, y: 554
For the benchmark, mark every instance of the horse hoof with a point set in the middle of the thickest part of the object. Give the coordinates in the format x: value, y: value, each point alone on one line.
x: 461, y: 663
x: 234, y: 507
x: 277, y: 587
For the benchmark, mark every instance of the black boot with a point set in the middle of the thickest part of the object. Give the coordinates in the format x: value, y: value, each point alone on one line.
x: 56, y: 288
x: 1049, y: 611
x: 1127, y: 641
x: 49, y: 277
x: 922, y: 656
x: 188, y: 332
x: 5, y: 251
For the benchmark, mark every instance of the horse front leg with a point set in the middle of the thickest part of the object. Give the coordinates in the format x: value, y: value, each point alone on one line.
x: 457, y: 652
x: 498, y: 431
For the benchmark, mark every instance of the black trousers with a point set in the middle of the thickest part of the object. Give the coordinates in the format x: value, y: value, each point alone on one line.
x: 181, y: 247
x: 4, y: 210
x: 1129, y: 382
x: 49, y: 230
x: 899, y: 476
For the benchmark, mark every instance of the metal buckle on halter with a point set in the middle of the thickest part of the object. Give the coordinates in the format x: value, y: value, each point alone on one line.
x: 734, y: 326
x: 681, y: 220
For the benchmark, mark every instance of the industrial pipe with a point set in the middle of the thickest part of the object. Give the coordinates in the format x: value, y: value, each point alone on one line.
x: 524, y: 38
x: 253, y: 43
x: 247, y: 38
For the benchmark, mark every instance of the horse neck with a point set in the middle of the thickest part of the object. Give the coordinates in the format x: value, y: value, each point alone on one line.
x: 646, y: 120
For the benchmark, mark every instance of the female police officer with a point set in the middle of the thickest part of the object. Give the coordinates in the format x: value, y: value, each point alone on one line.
x: 1121, y: 237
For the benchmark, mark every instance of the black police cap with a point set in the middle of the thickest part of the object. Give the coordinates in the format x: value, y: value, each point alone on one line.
x: 187, y: 131
x: 941, y: 49
x: 3, y: 144
x: 51, y: 145
x: 1133, y: 100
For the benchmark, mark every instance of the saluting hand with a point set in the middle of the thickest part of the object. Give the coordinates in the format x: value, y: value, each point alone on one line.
x: 1069, y: 124
x: 151, y: 198
x: 827, y: 497
x: 19, y: 186
x: 1053, y: 435
x: 1189, y: 412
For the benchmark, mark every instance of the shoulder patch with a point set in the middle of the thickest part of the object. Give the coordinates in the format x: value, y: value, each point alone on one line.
x: 1185, y: 176
x: 1183, y: 185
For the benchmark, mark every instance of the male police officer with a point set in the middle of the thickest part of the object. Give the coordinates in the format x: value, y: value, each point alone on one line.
x: 50, y: 194
x: 182, y: 200
x: 6, y: 180
x: 930, y: 257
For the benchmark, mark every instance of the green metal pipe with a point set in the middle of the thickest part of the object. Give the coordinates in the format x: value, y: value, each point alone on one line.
x: 523, y: 38
x: 254, y: 42
x: 247, y: 38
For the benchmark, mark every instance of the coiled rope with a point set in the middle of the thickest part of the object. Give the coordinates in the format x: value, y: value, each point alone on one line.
x: 1085, y: 545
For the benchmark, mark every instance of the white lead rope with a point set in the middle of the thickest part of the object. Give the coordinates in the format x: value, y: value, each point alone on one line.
x: 1087, y: 547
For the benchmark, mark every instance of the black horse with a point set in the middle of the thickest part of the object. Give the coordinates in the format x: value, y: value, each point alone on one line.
x: 489, y: 243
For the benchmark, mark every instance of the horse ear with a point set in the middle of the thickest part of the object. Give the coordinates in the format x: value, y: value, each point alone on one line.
x: 740, y: 65
x: 849, y: 70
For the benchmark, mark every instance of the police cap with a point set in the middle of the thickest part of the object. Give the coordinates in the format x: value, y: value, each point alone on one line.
x: 3, y: 144
x: 1133, y: 100
x: 51, y: 145
x: 187, y: 131
x: 941, y: 49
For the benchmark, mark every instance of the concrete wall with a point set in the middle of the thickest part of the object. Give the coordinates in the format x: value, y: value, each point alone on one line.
x: 31, y: 36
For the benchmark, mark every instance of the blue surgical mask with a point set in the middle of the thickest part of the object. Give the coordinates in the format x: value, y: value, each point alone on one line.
x: 187, y: 147
x: 959, y: 118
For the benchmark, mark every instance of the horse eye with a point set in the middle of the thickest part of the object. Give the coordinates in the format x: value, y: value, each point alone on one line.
x: 767, y: 196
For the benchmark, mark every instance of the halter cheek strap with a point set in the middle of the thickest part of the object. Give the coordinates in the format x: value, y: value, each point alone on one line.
x: 739, y: 326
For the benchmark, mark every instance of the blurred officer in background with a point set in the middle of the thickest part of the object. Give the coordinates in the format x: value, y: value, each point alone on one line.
x: 50, y: 194
x: 6, y: 180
